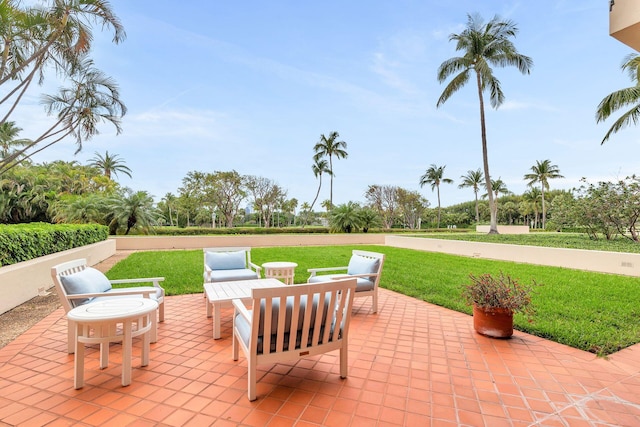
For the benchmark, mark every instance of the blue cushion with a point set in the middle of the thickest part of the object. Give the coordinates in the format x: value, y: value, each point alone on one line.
x: 226, y: 260
x: 87, y: 281
x: 236, y: 274
x: 363, y: 265
x: 363, y: 284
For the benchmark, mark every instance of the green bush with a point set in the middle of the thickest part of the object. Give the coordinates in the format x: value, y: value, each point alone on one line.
x: 22, y: 242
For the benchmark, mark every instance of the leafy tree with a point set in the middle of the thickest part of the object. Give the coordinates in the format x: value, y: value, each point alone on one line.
x: 384, y: 200
x: 109, y: 164
x: 483, y: 46
x: 57, y: 38
x: 434, y: 176
x: 473, y: 179
x: 133, y: 209
x: 411, y: 205
x: 330, y: 147
x: 345, y: 218
x: 622, y: 98
x: 541, y: 173
x: 267, y: 196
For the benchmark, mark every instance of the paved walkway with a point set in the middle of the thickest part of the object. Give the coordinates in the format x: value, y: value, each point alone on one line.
x: 412, y: 364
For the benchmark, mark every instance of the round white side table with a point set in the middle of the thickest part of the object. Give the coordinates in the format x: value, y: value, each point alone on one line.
x: 97, y: 323
x: 281, y: 270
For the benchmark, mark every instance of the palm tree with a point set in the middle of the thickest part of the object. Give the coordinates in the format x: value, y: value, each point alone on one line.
x: 434, y: 176
x: 330, y: 147
x: 134, y: 209
x: 622, y: 98
x: 109, y: 164
x: 484, y: 45
x: 541, y: 173
x: 346, y: 218
x: 319, y: 167
x: 530, y: 201
x: 497, y: 187
x: 473, y: 179
x: 9, y: 139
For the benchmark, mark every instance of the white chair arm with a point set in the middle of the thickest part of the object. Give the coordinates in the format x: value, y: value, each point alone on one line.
x: 241, y: 309
x: 143, y: 280
x: 113, y: 292
x: 256, y: 267
x: 313, y: 271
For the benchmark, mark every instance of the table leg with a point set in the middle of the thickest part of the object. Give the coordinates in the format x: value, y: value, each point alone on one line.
x: 78, y: 364
x: 104, y: 331
x: 126, y: 352
x: 216, y: 321
x: 209, y: 307
x: 145, y: 340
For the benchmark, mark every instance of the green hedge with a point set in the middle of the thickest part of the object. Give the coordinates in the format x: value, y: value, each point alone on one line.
x: 22, y: 242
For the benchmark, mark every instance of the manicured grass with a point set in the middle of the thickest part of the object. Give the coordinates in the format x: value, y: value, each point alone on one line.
x: 550, y: 240
x: 590, y: 311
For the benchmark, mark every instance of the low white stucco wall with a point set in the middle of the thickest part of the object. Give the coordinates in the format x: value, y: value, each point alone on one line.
x: 25, y: 280
x: 504, y: 229
x: 141, y: 243
x: 604, y: 262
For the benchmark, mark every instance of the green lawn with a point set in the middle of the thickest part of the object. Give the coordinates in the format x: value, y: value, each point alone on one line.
x: 551, y: 240
x: 590, y: 311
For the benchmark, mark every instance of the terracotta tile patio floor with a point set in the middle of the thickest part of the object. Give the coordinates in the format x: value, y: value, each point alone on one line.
x: 412, y: 364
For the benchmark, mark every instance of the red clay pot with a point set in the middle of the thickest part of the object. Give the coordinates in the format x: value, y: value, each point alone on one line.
x: 493, y: 322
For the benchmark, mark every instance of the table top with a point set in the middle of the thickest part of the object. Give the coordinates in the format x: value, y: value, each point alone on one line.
x: 279, y: 264
x: 226, y: 291
x: 112, y: 309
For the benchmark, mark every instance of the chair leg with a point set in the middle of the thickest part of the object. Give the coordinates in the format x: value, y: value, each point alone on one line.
x: 374, y: 302
x: 251, y: 379
x: 343, y: 360
x: 161, y: 311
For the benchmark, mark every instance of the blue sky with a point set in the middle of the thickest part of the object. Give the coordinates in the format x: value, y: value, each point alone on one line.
x: 250, y: 86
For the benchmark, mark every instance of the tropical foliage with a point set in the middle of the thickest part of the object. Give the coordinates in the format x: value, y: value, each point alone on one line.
x: 330, y: 147
x: 541, y: 173
x: 53, y: 41
x: 434, y: 176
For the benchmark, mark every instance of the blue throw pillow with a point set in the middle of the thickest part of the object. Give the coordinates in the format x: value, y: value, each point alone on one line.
x: 226, y: 260
x: 87, y: 281
x: 362, y: 265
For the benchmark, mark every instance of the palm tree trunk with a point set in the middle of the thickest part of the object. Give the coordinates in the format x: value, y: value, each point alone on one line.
x: 331, y: 186
x: 438, y: 191
x: 544, y: 213
x: 493, y: 227
x: 477, y: 212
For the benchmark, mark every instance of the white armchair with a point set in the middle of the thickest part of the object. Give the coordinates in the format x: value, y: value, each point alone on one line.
x: 365, y: 266
x: 290, y: 322
x: 76, y: 284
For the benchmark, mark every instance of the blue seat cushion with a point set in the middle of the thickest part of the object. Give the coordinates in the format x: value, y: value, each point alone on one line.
x: 244, y: 327
x: 362, y: 283
x: 226, y: 260
x: 87, y: 281
x: 236, y: 274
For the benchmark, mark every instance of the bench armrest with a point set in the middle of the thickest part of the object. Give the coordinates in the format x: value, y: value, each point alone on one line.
x: 241, y: 309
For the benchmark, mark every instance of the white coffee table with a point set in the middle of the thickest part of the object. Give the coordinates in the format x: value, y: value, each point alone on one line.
x: 219, y: 293
x: 97, y: 323
x: 282, y: 270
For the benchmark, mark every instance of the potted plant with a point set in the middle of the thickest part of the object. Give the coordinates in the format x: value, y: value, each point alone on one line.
x: 495, y: 300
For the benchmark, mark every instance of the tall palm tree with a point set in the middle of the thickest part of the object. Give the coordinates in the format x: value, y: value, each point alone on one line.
x: 434, y: 176
x: 629, y: 96
x: 473, y: 179
x: 483, y: 45
x: 109, y: 164
x: 319, y: 167
x: 541, y: 173
x: 330, y: 147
